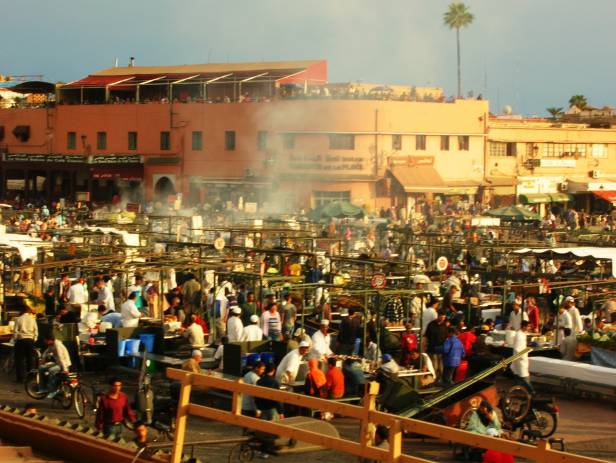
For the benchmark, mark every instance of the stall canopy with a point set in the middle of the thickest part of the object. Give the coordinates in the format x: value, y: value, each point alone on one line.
x: 513, y: 214
x: 609, y: 196
x: 336, y: 209
x: 542, y: 198
x: 419, y: 179
x: 596, y: 253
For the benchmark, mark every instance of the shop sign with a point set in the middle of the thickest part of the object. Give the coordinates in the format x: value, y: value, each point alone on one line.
x: 378, y: 281
x: 115, y: 159
x: 47, y: 158
x: 325, y: 162
x: 569, y: 163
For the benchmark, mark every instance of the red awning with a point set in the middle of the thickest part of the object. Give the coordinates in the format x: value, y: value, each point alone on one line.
x: 609, y: 196
x: 96, y: 81
x: 123, y: 173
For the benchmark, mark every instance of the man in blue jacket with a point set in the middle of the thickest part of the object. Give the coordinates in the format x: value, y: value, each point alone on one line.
x: 453, y: 353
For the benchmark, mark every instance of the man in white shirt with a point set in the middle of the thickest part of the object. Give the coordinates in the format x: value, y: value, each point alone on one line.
x: 253, y: 332
x: 520, y: 366
x: 105, y: 295
x: 235, y: 328
x: 130, y: 312
x: 62, y: 363
x: 77, y: 293
x: 568, y: 346
x: 289, y: 365
x: 219, y: 355
x: 25, y: 334
x: 321, y: 341
x: 429, y: 314
x: 194, y: 333
x: 564, y: 321
x: 516, y: 316
x: 576, y: 319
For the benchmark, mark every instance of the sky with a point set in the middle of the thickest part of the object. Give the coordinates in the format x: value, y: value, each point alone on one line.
x: 529, y: 54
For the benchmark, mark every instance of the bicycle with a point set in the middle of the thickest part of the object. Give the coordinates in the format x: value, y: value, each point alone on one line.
x: 82, y: 401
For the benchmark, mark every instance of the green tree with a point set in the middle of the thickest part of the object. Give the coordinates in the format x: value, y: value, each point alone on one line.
x: 457, y: 17
x: 578, y: 101
x: 555, y: 112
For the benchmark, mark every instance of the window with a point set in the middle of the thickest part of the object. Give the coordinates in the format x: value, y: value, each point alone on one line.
x: 498, y: 148
x: 132, y: 140
x: 261, y: 140
x: 325, y: 197
x: 71, y: 140
x: 342, y: 142
x: 396, y: 142
x: 444, y: 142
x: 288, y: 141
x: 165, y: 141
x: 197, y: 141
x: 560, y: 150
x: 599, y: 150
x: 420, y: 142
x: 101, y: 140
x: 463, y: 142
x: 230, y: 140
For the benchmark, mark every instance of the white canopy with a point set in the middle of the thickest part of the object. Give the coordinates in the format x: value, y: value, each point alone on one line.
x: 597, y: 253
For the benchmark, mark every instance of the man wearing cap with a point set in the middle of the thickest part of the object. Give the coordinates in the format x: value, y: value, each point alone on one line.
x: 193, y: 364
x: 576, y: 320
x: 299, y: 336
x: 321, y: 341
x: 289, y: 365
x: 253, y: 332
x: 516, y: 316
x: 235, y: 327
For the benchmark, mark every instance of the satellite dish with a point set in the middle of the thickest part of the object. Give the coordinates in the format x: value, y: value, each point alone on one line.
x: 507, y: 109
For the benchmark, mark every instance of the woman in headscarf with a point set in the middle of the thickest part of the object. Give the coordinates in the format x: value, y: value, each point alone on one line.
x: 484, y: 421
x: 315, y: 384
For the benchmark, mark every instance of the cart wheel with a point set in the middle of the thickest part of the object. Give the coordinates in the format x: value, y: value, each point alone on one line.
x: 516, y: 403
x: 465, y: 417
x: 242, y: 453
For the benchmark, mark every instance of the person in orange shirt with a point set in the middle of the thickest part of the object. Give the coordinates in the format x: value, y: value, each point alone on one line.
x: 335, y: 380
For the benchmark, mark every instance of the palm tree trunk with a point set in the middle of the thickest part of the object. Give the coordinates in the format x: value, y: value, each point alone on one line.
x: 459, y: 70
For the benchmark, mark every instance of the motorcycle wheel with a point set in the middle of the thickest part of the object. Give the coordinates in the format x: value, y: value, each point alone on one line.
x: 65, y: 396
x: 79, y: 402
x: 516, y: 404
x: 241, y: 453
x: 545, y: 423
x: 32, y: 385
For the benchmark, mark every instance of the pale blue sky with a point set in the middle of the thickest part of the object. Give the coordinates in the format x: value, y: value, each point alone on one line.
x: 535, y: 53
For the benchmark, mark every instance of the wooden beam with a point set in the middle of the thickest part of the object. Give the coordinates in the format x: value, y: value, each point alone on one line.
x: 182, y: 416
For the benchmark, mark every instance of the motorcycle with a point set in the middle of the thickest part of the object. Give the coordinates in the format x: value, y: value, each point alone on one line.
x: 534, y: 418
x: 68, y: 383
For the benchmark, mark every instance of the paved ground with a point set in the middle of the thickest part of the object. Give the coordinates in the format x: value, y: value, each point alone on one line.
x: 588, y: 427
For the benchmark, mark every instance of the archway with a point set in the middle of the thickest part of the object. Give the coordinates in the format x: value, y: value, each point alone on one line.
x: 164, y: 188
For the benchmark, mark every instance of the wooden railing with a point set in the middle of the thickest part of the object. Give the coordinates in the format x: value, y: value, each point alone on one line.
x: 367, y: 415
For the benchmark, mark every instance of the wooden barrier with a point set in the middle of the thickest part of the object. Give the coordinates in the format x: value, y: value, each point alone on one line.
x: 367, y: 414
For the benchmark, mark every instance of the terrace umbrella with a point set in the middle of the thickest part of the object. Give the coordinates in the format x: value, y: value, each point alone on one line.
x: 513, y: 214
x: 336, y: 209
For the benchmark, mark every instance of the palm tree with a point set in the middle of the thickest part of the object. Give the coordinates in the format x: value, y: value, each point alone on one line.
x: 579, y: 101
x: 555, y: 112
x: 457, y: 17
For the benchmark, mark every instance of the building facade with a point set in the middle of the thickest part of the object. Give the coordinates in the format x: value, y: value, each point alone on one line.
x: 277, y: 135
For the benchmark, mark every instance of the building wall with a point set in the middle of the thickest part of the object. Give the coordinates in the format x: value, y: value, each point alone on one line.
x: 531, y: 138
x: 311, y: 123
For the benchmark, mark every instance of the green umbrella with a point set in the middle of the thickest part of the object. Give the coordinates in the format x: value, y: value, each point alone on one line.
x: 513, y: 213
x: 337, y: 209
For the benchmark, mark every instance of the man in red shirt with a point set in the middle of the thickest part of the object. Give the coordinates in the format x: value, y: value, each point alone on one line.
x: 467, y: 338
x: 334, y: 380
x: 113, y: 409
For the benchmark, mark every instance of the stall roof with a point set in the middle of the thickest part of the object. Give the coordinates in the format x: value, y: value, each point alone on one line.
x: 594, y: 252
x: 609, y: 196
x: 418, y: 179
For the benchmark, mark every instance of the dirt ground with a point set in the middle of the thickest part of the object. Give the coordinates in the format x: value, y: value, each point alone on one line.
x: 588, y: 427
